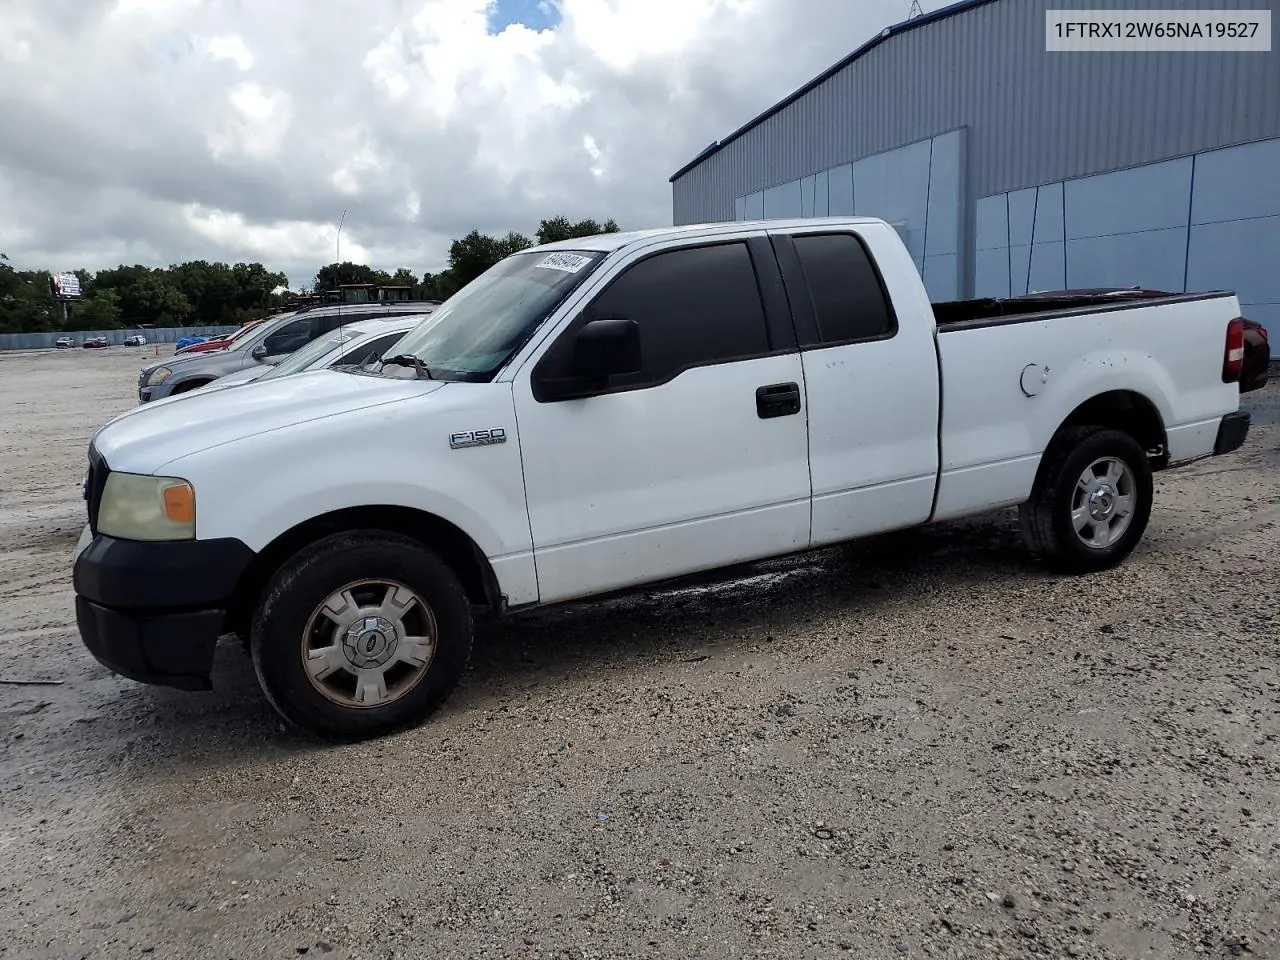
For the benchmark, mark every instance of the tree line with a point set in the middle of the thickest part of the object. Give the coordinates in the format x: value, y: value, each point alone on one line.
x: 203, y: 293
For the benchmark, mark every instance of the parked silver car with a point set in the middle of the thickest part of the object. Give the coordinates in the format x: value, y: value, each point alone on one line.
x: 269, y: 343
x: 353, y: 344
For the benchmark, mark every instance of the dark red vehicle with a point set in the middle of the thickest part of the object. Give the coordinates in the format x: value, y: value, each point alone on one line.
x: 219, y: 343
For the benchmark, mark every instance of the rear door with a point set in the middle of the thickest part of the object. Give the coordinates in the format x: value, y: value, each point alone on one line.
x: 872, y: 382
x: 697, y: 462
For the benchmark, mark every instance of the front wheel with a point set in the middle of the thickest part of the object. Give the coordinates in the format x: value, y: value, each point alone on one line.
x: 361, y: 634
x: 1091, y: 500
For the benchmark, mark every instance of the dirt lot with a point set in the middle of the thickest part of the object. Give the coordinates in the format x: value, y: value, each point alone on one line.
x: 925, y: 747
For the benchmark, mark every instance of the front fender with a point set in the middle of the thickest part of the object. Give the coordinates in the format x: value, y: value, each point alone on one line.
x: 396, y: 454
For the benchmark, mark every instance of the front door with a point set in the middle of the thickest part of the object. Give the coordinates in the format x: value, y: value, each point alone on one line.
x: 697, y: 462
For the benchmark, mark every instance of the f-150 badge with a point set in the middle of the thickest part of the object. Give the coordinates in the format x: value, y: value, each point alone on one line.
x: 477, y: 438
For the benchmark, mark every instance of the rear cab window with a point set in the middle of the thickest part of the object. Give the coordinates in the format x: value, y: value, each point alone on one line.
x: 843, y: 289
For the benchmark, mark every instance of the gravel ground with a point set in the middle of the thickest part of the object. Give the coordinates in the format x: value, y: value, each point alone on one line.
x: 923, y: 746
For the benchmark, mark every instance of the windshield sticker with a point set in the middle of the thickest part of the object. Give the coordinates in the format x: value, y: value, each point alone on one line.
x: 566, y: 262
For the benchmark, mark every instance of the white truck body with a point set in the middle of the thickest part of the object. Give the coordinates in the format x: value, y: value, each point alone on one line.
x: 568, y: 498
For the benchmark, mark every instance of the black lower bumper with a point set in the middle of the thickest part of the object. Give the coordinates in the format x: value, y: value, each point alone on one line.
x: 169, y: 649
x: 153, y: 612
x: 1232, y: 432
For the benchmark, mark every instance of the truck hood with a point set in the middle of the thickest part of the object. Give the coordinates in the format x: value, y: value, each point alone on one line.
x: 144, y: 439
x: 180, y: 360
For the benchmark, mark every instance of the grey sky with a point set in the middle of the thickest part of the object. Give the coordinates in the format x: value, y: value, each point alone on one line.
x: 156, y: 131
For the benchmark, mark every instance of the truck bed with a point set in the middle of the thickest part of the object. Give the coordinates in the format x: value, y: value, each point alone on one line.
x: 1013, y: 369
x: 992, y: 311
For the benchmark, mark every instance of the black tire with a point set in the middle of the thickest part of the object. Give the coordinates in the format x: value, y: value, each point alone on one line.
x: 1046, y: 517
x: 292, y: 599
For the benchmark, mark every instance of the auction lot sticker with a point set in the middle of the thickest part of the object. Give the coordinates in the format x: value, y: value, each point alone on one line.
x: 568, y: 262
x: 1176, y: 31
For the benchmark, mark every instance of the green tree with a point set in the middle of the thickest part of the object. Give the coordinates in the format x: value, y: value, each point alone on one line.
x: 559, y: 228
x: 477, y: 252
x: 26, y: 300
x: 334, y: 275
x: 101, y: 311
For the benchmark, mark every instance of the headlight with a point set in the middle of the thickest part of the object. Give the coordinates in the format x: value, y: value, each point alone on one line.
x: 158, y: 376
x: 136, y: 507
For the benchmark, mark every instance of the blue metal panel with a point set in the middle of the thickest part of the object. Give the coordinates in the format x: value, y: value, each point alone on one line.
x: 914, y: 240
x: 840, y: 184
x: 1022, y: 130
x: 1155, y: 259
x: 1022, y: 212
x: 782, y: 201
x: 1267, y: 314
x: 1153, y: 197
x: 942, y: 277
x: 740, y: 208
x: 1050, y: 226
x: 894, y: 185
x: 806, y: 196
x: 991, y: 273
x: 945, y: 197
x: 1019, y: 269
x: 993, y: 222
x: 1240, y: 255
x: 1048, y: 266
x: 820, y: 195
x: 1238, y: 182
x: 755, y: 206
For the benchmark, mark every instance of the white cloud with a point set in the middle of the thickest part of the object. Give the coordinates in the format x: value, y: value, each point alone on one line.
x: 231, y: 47
x: 256, y: 124
x: 291, y: 240
x: 161, y: 130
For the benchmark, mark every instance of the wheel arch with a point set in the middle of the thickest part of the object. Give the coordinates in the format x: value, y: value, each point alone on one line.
x: 193, y: 384
x: 454, y: 546
x: 1128, y: 411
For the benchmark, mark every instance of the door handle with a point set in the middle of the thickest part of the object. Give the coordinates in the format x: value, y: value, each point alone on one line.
x: 777, y: 400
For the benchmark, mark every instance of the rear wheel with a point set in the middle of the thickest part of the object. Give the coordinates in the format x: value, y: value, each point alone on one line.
x: 1091, y: 501
x: 361, y: 634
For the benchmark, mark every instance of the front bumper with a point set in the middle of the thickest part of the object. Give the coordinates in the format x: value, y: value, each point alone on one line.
x: 153, y: 612
x: 1232, y: 432
x: 158, y: 392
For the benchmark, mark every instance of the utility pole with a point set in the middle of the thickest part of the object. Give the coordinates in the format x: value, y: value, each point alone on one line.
x: 915, y: 11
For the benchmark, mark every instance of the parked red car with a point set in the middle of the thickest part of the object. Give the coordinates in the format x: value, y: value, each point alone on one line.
x: 219, y: 343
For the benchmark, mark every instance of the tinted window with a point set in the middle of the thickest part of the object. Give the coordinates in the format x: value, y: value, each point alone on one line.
x: 694, y: 306
x: 290, y: 337
x: 848, y: 300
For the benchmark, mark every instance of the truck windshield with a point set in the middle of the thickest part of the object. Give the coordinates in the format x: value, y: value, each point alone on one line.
x: 478, y: 329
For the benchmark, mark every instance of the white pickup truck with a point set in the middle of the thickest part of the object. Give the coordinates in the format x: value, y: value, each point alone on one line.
x: 600, y: 413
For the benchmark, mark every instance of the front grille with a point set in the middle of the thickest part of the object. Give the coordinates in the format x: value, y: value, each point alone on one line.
x: 94, y: 483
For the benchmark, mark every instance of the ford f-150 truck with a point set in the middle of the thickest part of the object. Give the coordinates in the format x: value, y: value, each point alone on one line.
x: 600, y: 413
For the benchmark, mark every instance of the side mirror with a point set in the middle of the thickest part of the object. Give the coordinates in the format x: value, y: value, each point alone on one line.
x: 601, y: 349
x: 259, y: 352
x: 606, y: 348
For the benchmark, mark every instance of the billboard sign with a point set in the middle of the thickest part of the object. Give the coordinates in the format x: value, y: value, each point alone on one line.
x: 66, y: 286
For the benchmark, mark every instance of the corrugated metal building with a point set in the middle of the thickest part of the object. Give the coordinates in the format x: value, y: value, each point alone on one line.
x: 1008, y: 168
